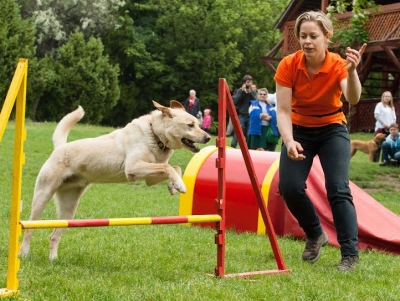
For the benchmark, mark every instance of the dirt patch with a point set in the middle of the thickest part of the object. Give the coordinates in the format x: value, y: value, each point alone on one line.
x: 392, y: 180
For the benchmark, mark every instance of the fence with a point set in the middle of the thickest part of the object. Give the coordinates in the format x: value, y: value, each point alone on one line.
x: 362, y: 114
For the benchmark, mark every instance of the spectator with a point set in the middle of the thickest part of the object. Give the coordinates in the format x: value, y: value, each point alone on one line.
x: 229, y: 127
x: 192, y: 104
x: 272, y: 98
x: 384, y: 113
x: 242, y: 100
x: 391, y: 146
x: 263, y: 131
x: 309, y: 85
x: 207, y: 120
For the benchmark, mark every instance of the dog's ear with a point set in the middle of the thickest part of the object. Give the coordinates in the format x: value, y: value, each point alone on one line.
x: 164, y: 110
x: 176, y: 105
x: 157, y: 105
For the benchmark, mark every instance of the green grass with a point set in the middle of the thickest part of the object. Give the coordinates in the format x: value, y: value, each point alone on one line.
x: 170, y: 262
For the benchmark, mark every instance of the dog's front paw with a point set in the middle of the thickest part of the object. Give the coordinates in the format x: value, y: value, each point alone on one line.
x: 177, y: 186
x: 23, y: 252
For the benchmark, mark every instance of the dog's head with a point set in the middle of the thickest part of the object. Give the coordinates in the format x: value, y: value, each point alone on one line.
x: 379, y: 138
x: 178, y: 128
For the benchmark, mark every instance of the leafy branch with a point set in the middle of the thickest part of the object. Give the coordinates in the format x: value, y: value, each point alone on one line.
x: 355, y: 33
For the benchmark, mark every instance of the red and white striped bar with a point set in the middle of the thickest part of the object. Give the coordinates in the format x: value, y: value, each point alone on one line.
x: 108, y: 222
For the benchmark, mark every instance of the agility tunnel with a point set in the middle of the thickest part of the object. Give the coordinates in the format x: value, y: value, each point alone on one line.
x: 378, y: 226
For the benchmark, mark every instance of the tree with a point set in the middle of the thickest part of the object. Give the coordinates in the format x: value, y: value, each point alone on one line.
x: 81, y: 75
x: 256, y: 21
x: 56, y: 20
x: 173, y: 46
x: 355, y: 34
x: 164, y: 48
x: 17, y: 38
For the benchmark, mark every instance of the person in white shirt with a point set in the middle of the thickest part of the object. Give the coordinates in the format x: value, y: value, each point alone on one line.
x: 272, y: 98
x: 384, y: 113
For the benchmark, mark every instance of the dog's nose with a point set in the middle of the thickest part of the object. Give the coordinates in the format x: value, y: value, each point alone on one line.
x: 207, y: 138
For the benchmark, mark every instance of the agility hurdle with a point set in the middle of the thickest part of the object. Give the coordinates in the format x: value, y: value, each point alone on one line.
x: 17, y: 92
x: 225, y: 103
x: 17, y: 95
x: 109, y: 222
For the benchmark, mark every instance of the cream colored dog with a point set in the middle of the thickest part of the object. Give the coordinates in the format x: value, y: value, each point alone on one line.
x: 139, y: 151
x: 369, y: 147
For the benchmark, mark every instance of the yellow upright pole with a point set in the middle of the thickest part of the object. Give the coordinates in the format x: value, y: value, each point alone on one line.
x: 17, y: 90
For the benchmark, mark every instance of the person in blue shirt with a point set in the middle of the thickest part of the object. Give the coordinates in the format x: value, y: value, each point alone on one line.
x: 391, y: 146
x: 263, y: 129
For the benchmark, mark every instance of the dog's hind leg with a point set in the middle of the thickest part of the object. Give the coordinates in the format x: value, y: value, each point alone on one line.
x: 66, y: 203
x: 42, y: 196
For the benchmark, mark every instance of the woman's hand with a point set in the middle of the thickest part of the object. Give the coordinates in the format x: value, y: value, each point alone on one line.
x: 294, y: 151
x: 265, y: 116
x: 353, y: 57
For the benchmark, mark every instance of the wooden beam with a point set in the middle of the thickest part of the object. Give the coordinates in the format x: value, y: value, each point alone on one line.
x: 365, y: 69
x: 324, y: 5
x: 392, y: 56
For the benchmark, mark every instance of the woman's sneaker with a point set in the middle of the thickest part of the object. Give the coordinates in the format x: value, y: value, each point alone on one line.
x: 348, y: 263
x: 312, y: 251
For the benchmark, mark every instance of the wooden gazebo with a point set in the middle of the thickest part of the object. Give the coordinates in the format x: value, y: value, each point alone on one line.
x: 380, y: 68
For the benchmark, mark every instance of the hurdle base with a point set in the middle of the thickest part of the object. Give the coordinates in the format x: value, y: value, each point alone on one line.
x: 251, y: 274
x: 5, y: 292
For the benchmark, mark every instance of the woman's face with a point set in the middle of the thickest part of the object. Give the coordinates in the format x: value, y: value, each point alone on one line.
x: 262, y: 96
x: 386, y: 98
x: 312, y: 40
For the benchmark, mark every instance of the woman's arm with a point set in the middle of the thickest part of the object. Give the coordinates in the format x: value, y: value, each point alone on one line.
x: 351, y: 86
x: 284, y: 120
x: 284, y: 113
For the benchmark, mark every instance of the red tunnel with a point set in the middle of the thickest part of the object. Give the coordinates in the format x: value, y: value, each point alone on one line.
x: 378, y: 226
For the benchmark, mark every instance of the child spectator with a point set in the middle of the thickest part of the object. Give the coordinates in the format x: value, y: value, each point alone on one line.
x: 207, y: 119
x: 391, y: 146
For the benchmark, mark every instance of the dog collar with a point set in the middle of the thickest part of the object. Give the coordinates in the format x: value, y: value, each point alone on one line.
x: 161, y: 145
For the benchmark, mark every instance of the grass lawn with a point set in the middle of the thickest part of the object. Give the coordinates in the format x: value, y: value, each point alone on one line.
x: 170, y: 262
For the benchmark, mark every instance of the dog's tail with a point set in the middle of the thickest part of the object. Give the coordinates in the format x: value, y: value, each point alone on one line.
x: 61, y: 132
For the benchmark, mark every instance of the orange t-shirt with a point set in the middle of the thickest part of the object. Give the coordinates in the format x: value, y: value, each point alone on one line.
x: 317, y: 96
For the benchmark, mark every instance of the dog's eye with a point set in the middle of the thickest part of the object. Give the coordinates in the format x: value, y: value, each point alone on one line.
x: 191, y: 125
